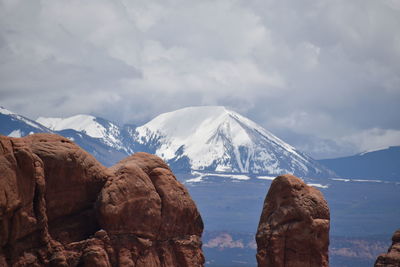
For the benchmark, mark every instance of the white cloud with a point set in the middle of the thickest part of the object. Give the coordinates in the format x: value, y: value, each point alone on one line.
x: 375, y: 138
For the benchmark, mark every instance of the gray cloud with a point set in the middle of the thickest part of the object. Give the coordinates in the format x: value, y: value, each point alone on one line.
x: 323, y: 74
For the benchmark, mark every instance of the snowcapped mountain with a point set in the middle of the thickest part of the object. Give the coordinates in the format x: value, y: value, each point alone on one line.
x: 14, y: 125
x: 217, y: 139
x: 211, y: 139
x: 109, y: 133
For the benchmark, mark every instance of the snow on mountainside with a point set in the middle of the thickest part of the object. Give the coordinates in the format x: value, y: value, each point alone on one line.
x: 80, y: 123
x: 210, y: 139
x: 108, y: 132
x: 216, y: 139
x: 14, y: 125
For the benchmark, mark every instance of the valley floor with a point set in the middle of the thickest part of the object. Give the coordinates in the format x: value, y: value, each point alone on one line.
x: 364, y: 216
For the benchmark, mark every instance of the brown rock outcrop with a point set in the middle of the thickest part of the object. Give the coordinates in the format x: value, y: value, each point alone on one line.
x: 60, y: 207
x: 392, y: 257
x: 294, y: 226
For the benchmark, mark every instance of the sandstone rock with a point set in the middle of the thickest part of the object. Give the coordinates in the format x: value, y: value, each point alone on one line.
x: 129, y: 203
x: 294, y: 226
x: 60, y: 207
x: 392, y: 257
x: 178, y: 207
x: 95, y: 256
x: 145, y: 201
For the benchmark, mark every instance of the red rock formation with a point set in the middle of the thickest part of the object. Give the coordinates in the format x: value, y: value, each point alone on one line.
x: 294, y: 226
x: 60, y: 207
x: 392, y: 257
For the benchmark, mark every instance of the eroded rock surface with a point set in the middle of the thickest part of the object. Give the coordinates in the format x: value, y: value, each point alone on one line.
x: 392, y: 257
x: 60, y: 207
x: 294, y: 226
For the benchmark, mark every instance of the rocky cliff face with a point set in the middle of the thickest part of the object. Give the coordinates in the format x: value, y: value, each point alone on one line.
x: 392, y: 257
x: 294, y: 226
x: 60, y: 207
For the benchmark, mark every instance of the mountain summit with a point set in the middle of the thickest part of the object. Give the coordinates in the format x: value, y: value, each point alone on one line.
x: 106, y: 131
x: 213, y: 138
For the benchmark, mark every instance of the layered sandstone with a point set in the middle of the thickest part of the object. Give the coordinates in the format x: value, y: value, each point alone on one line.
x: 392, y: 257
x: 294, y: 226
x: 60, y: 207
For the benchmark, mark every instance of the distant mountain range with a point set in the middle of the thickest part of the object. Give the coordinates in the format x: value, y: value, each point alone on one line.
x: 381, y: 164
x: 208, y: 138
x: 15, y: 125
x: 211, y: 139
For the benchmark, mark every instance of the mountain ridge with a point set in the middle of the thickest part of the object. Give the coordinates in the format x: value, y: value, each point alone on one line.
x: 205, y: 138
x: 381, y: 163
x: 10, y: 122
x: 108, y: 132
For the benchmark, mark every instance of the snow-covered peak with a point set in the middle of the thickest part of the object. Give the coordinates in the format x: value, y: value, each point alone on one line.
x: 82, y: 123
x: 216, y: 138
x: 195, y: 124
x: 108, y: 132
x: 197, y: 128
x: 188, y: 122
x: 184, y: 121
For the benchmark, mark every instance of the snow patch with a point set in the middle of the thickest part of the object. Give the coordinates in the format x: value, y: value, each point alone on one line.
x: 195, y: 180
x: 341, y: 179
x: 360, y: 180
x: 15, y: 133
x: 201, y: 176
x: 318, y: 185
x: 367, y: 181
x: 232, y: 176
x: 266, y: 177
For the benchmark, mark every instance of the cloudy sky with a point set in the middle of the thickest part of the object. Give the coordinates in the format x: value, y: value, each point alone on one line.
x: 322, y: 75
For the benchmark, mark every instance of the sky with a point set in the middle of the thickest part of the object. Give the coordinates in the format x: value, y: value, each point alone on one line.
x: 322, y: 75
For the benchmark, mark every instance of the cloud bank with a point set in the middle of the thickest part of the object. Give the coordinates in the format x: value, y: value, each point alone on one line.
x: 325, y: 75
